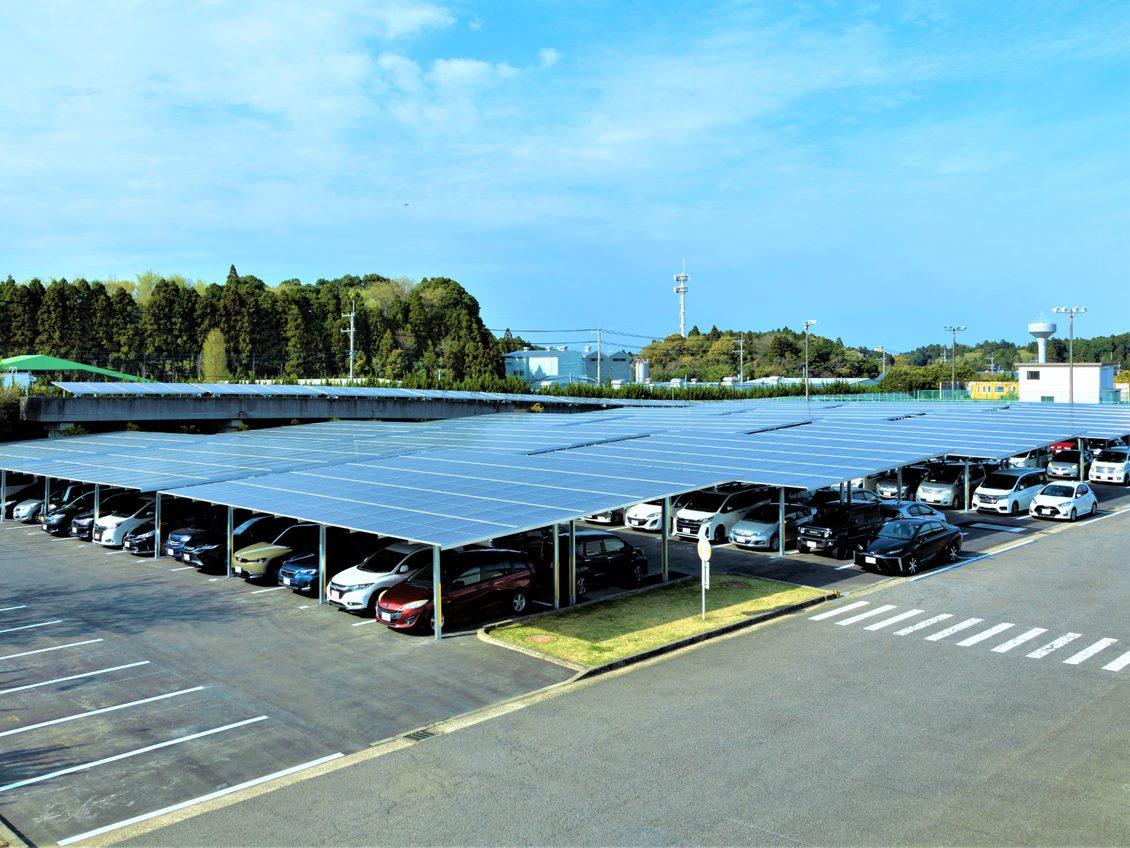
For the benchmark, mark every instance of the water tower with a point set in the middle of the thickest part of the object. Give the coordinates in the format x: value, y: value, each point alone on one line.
x: 1042, y: 330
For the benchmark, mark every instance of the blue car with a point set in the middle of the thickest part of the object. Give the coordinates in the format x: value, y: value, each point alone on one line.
x: 343, y: 549
x: 300, y: 572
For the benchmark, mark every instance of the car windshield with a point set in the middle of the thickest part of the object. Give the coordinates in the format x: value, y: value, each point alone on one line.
x: 294, y: 535
x: 706, y: 502
x: 1109, y: 455
x: 79, y: 501
x: 765, y: 513
x: 899, y: 530
x: 383, y: 561
x: 1004, y: 482
x: 943, y: 474
x: 1058, y: 490
x: 247, y: 525
x: 1067, y: 456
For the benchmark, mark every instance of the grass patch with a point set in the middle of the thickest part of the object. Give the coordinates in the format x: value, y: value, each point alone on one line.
x: 610, y: 630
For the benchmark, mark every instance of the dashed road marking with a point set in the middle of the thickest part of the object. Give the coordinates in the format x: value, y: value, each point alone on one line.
x: 1089, y: 651
x: 867, y: 614
x: 32, y: 626
x: 1026, y: 636
x: 838, y: 610
x: 894, y: 619
x: 984, y: 634
x: 953, y: 628
x: 9, y: 609
x: 1054, y: 645
x: 929, y: 622
x: 89, y: 713
x: 269, y: 589
x: 1118, y: 664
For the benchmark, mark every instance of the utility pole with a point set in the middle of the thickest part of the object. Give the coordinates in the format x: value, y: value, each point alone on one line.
x: 741, y: 360
x: 808, y: 323
x: 955, y: 329
x: 599, y: 354
x: 882, y: 361
x: 992, y: 363
x: 1070, y: 312
x: 351, y: 332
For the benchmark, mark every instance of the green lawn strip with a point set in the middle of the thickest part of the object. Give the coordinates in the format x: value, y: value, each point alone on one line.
x: 603, y: 632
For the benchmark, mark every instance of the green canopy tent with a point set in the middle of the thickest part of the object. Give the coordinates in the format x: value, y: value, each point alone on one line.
x: 36, y: 362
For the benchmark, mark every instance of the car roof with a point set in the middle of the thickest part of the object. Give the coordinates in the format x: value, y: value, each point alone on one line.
x: 1017, y: 472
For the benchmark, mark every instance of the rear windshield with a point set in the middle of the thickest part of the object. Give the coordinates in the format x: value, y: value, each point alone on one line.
x: 706, y: 502
x: 1059, y: 490
x: 1110, y: 455
x: 943, y: 474
x: 1004, y: 482
x: 899, y: 530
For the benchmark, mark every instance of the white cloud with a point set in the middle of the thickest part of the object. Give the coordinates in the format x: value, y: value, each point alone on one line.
x: 549, y: 57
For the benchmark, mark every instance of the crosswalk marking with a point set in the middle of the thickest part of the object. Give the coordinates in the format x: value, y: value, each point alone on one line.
x: 1026, y: 636
x: 837, y: 611
x: 927, y: 623
x: 894, y: 619
x: 1118, y: 664
x: 1089, y: 651
x: 1053, y: 645
x: 984, y: 634
x: 953, y: 628
x: 867, y: 614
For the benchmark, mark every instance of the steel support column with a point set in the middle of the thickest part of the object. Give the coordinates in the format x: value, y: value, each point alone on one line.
x: 230, y: 542
x: 556, y: 565
x: 1082, y: 471
x: 572, y: 563
x: 3, y: 494
x: 898, y: 482
x: 321, y: 563
x: 97, y: 502
x: 157, y: 527
x: 665, y: 538
x: 966, y: 464
x: 781, y: 522
x: 437, y: 593
x: 47, y: 493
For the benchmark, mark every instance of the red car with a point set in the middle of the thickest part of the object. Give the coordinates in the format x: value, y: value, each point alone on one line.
x: 476, y: 582
x: 1062, y: 446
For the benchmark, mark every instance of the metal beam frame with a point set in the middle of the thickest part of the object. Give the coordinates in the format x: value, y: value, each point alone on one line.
x: 966, y: 464
x: 321, y: 563
x: 437, y: 593
x: 97, y: 502
x: 781, y: 521
x: 157, y: 528
x: 230, y: 543
x: 556, y: 566
x: 664, y: 548
x: 1082, y: 473
x: 572, y: 563
x: 3, y: 493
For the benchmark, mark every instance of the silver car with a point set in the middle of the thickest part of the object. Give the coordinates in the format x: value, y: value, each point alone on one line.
x: 1065, y: 465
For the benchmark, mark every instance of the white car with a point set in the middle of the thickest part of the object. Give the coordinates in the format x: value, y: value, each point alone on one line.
x: 1009, y: 491
x: 1064, y: 501
x: 712, y: 513
x: 30, y: 509
x: 1111, y: 465
x: 1038, y: 458
x: 110, y: 530
x: 609, y: 516
x: 14, y: 495
x: 944, y: 484
x: 356, y: 589
x: 649, y: 515
x: 27, y: 511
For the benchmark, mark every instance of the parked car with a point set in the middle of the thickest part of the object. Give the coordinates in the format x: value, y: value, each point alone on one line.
x: 356, y: 588
x: 82, y: 525
x: 944, y: 483
x: 1110, y: 465
x: 1009, y: 490
x: 838, y: 527
x: 649, y: 515
x: 475, y: 583
x: 139, y: 541
x: 904, y: 545
x: 1064, y: 501
x: 124, y: 516
x: 831, y: 494
x: 31, y: 510
x: 206, y: 546
x: 607, y: 557
x: 609, y: 516
x: 260, y: 560
x: 1057, y: 447
x: 343, y: 550
x: 712, y: 513
x: 57, y: 522
x: 887, y: 486
x: 18, y: 489
x: 909, y: 509
x: 760, y: 529
x: 1038, y: 458
x: 1065, y: 465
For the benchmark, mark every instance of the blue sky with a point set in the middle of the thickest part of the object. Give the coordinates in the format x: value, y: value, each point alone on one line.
x: 885, y: 168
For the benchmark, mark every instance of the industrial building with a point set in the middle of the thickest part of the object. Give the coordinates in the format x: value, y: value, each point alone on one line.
x: 1051, y: 382
x: 544, y: 367
x: 613, y: 366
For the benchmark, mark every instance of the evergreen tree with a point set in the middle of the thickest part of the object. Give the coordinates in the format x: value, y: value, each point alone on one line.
x: 214, y: 357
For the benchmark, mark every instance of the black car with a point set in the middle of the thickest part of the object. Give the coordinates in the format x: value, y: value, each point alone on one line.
x: 905, y: 545
x: 607, y: 557
x: 57, y: 522
x: 824, y: 497
x: 82, y: 525
x: 838, y: 527
x: 139, y: 541
x: 208, y: 548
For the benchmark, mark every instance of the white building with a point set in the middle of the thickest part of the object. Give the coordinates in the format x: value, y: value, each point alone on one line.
x: 1048, y: 382
x: 613, y: 366
x: 560, y: 365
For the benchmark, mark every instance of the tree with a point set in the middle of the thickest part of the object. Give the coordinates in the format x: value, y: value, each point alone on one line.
x: 214, y: 357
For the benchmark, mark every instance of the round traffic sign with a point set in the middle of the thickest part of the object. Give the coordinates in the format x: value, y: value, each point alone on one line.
x: 704, y: 549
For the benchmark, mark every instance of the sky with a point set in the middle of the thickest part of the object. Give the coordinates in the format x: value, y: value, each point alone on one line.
x: 885, y: 168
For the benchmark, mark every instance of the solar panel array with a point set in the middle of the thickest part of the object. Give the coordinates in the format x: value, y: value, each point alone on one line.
x: 464, y: 480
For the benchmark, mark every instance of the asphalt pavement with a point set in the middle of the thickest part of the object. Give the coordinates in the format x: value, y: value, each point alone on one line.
x: 985, y: 704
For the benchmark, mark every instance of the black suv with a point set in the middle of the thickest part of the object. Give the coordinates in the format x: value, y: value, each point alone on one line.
x: 606, y: 557
x: 838, y: 527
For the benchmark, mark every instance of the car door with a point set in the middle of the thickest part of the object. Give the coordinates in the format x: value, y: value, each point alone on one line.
x: 590, y: 552
x: 1084, y: 498
x: 463, y: 597
x: 616, y: 555
x: 1028, y: 487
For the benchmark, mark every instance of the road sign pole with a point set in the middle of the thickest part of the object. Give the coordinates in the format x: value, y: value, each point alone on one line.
x: 704, y: 553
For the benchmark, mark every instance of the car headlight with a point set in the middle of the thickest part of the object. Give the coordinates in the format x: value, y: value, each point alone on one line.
x: 139, y: 536
x: 411, y: 605
x: 356, y: 587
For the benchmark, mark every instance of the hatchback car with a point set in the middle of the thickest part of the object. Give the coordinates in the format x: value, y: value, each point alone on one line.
x: 344, y: 549
x: 760, y: 529
x: 1111, y: 465
x: 1065, y: 465
x: 1037, y: 458
x: 18, y: 490
x: 1064, y: 501
x: 712, y: 513
x: 475, y: 583
x: 57, y: 522
x: 887, y: 486
x: 903, y: 546
x: 206, y: 546
x: 909, y: 509
x: 649, y: 515
x: 125, y: 516
x: 260, y: 561
x: 944, y: 483
x: 608, y: 516
x: 607, y: 557
x: 1009, y: 491
x: 356, y: 588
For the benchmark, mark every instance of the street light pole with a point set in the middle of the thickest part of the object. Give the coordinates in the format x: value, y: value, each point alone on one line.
x: 954, y: 329
x: 1070, y: 312
x: 882, y: 351
x: 351, y: 332
x: 808, y: 323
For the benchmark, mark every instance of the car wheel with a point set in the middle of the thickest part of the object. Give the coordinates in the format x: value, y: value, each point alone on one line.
x: 1094, y: 507
x: 912, y: 565
x: 582, y: 587
x: 839, y: 552
x: 1014, y: 508
x: 639, y: 572
x: 952, y: 553
x: 518, y: 602
x: 719, y: 535
x: 773, y: 546
x: 1074, y: 514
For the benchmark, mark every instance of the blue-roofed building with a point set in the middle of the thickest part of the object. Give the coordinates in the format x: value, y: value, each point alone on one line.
x: 559, y: 365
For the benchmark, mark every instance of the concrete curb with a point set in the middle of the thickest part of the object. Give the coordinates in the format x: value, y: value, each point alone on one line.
x: 9, y: 838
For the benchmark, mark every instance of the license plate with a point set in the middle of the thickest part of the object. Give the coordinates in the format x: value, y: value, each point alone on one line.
x: 170, y: 552
x: 128, y: 546
x: 186, y: 557
x: 286, y: 581
x: 870, y: 560
x: 236, y: 569
x: 44, y: 527
x: 386, y: 616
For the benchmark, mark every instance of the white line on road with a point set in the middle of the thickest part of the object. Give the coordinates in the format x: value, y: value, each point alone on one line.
x: 1089, y: 651
x: 868, y: 614
x: 31, y: 626
x: 845, y: 566
x: 894, y: 619
x: 953, y: 628
x: 9, y: 609
x: 126, y: 755
x: 363, y: 623
x: 929, y: 622
x: 89, y: 713
x: 202, y: 799
x: 1040, y: 653
x: 984, y: 634
x: 838, y: 610
x: 271, y: 589
x: 182, y: 568
x: 1118, y: 664
x: 46, y: 650
x: 1026, y: 636
x: 71, y: 677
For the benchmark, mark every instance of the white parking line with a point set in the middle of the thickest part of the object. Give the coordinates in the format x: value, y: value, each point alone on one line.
x: 124, y: 756
x: 182, y: 568
x: 1026, y: 636
x: 894, y: 619
x: 202, y: 799
x: 363, y: 623
x: 46, y: 650
x: 868, y: 614
x: 1118, y: 664
x: 953, y: 628
x: 929, y: 622
x: 1040, y: 653
x: 984, y: 634
x: 89, y: 713
x: 31, y: 626
x: 71, y: 677
x: 270, y: 589
x: 838, y: 610
x: 9, y: 609
x: 1089, y: 651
